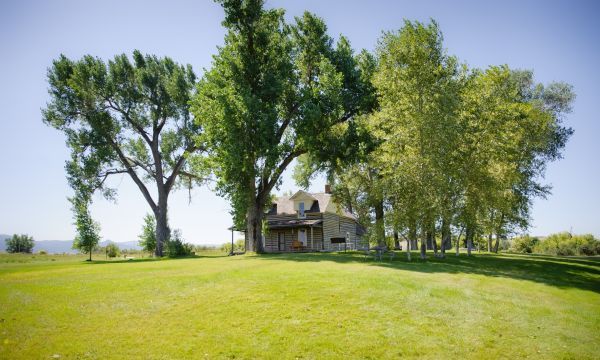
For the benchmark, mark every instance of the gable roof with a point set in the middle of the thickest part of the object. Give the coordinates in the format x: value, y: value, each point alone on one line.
x: 323, y: 202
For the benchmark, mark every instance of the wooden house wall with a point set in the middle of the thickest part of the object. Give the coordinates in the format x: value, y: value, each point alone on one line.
x: 337, y: 226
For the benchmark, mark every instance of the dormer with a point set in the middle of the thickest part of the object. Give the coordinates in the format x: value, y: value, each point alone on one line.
x: 303, y: 201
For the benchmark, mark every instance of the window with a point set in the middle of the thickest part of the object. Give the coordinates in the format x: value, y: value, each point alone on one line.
x: 301, y: 210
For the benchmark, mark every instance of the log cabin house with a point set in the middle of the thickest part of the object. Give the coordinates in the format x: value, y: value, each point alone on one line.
x: 310, y: 222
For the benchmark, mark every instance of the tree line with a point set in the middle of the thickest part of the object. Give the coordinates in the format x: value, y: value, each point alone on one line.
x: 413, y: 141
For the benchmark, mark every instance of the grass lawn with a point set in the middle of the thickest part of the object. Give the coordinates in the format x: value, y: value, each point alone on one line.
x: 303, y: 306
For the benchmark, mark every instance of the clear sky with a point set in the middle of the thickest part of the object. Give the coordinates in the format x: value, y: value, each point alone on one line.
x: 558, y: 40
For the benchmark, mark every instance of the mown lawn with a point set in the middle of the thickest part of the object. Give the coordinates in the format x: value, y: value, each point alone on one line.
x: 304, y: 306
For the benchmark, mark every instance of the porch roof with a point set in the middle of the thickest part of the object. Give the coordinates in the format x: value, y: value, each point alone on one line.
x: 283, y: 224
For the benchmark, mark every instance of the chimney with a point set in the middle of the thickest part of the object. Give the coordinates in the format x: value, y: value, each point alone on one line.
x: 327, y: 189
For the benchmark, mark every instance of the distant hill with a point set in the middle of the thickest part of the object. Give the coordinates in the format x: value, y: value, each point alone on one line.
x: 65, y: 246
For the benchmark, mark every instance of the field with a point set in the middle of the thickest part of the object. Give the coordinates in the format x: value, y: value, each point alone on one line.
x: 301, y: 306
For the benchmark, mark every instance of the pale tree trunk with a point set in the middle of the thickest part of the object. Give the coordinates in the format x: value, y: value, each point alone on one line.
x: 445, y: 236
x: 498, y: 232
x: 458, y: 243
x: 469, y: 237
x: 433, y: 241
x: 408, y: 248
x: 497, y: 243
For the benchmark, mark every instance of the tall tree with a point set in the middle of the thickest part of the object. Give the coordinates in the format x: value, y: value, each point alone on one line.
x: 127, y: 117
x: 275, y: 91
x: 19, y: 244
x: 88, y: 231
x: 415, y: 80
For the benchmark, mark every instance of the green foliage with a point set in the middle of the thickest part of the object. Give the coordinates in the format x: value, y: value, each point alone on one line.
x: 177, y: 247
x: 563, y: 244
x: 19, y: 244
x: 454, y: 148
x: 238, y: 245
x: 147, y: 239
x: 88, y: 231
x: 126, y: 116
x: 112, y: 250
x: 524, y: 244
x: 276, y: 91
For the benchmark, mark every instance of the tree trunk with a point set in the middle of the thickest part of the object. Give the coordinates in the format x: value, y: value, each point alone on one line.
x: 498, y: 232
x: 445, y: 237
x: 162, y: 226
x: 254, y: 218
x: 458, y: 240
x: 469, y: 238
x: 497, y: 243
x: 412, y: 237
x: 396, y: 241
x: 429, y: 241
x: 489, y: 242
x: 379, y: 224
x: 423, y: 245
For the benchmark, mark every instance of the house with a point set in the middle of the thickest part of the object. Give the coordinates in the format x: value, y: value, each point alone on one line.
x: 310, y: 222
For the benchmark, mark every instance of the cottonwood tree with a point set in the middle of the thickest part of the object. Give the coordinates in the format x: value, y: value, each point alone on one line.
x: 147, y: 239
x: 19, y: 244
x: 416, y: 81
x: 127, y: 117
x: 88, y: 231
x: 275, y: 91
x: 512, y: 128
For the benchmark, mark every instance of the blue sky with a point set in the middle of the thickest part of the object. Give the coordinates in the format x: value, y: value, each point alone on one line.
x: 558, y: 40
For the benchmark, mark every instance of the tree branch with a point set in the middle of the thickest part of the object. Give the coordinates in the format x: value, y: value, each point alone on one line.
x: 133, y: 174
x: 135, y: 125
x: 281, y: 168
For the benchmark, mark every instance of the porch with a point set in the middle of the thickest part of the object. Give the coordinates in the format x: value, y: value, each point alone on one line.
x: 298, y: 235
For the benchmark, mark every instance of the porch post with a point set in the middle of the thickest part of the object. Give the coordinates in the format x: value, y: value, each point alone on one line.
x: 312, y: 244
x: 232, y: 240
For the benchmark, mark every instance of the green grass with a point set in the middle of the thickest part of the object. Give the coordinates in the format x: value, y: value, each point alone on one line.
x: 304, y: 306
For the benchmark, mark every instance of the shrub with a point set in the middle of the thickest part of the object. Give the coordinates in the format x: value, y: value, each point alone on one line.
x: 176, y: 247
x: 19, y: 244
x: 239, y: 245
x: 524, y: 244
x: 112, y: 250
x: 564, y: 244
x: 42, y: 252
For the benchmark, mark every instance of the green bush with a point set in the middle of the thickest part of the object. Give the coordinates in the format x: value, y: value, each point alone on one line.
x: 112, y: 250
x: 42, y: 252
x: 19, y: 244
x: 564, y: 244
x: 176, y: 247
x: 524, y: 244
x: 239, y: 245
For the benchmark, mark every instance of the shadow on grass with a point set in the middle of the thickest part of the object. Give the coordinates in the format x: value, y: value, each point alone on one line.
x: 141, y: 260
x: 562, y: 272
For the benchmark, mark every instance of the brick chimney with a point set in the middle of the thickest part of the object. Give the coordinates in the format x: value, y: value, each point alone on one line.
x: 327, y: 189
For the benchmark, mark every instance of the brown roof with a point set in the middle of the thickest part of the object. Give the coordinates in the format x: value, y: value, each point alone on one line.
x: 286, y: 206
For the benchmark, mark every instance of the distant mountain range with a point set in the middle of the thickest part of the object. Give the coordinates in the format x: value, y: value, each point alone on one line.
x: 65, y: 246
